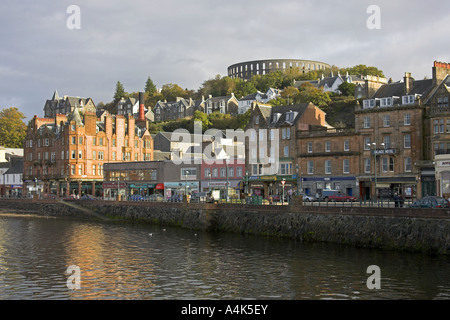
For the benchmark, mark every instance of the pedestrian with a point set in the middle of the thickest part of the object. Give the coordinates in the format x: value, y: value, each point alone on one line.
x: 401, y: 201
x: 396, y: 200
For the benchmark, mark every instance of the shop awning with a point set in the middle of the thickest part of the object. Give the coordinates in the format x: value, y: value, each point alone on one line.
x: 160, y: 186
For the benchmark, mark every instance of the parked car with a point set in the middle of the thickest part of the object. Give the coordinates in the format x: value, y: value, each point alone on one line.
x: 88, y: 197
x: 336, y: 197
x: 156, y: 197
x: 307, y: 198
x: 70, y: 198
x: 136, y: 197
x: 430, y: 202
x: 176, y: 198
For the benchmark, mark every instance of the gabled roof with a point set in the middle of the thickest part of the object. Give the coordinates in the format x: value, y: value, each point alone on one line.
x: 282, y: 112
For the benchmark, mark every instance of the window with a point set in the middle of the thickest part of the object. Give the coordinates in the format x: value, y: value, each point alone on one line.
x: 387, y: 142
x: 239, y: 172
x: 369, y: 103
x: 346, y: 145
x: 114, y: 155
x: 408, y: 99
x: 215, y: 172
x: 100, y: 155
x: 72, y: 169
x: 436, y: 126
x: 310, y: 167
x: 288, y: 133
x: 73, y: 154
x: 386, y: 121
x: 441, y: 126
x: 367, y: 165
x: 73, y: 140
x: 283, y: 133
x: 327, y: 166
x: 387, y: 164
x: 257, y: 120
x: 73, y: 127
x: 80, y: 169
x: 135, y: 143
x: 46, y: 142
x: 100, y: 141
x: 366, y: 122
x: 408, y: 164
x: 94, y: 170
x: 367, y: 143
x: 286, y: 151
x: 113, y: 142
x: 327, y: 146
x: 310, y: 147
x: 207, y: 172
x: 94, y: 141
x: 285, y: 168
x: 407, y: 141
x: 80, y: 154
x: 346, y: 166
x: 62, y: 155
x: 231, y: 171
x: 94, y: 155
x: 386, y: 102
x: 223, y: 172
x: 407, y: 119
x: 80, y: 140
x: 443, y: 102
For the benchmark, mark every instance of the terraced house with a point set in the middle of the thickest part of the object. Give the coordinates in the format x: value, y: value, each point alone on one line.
x: 65, y: 155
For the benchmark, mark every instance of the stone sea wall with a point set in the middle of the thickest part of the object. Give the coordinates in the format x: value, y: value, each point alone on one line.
x: 412, y: 230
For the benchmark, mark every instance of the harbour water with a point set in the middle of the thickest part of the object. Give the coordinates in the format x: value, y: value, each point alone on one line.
x: 121, y: 260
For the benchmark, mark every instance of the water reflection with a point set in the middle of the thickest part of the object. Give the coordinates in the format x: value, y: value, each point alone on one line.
x: 130, y: 261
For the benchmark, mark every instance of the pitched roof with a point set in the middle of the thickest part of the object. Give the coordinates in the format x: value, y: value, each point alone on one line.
x: 279, y: 114
x: 398, y: 89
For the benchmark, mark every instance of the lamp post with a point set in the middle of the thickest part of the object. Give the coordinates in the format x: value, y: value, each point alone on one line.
x: 185, y: 183
x: 374, y: 144
x: 283, y: 182
x: 226, y: 162
x: 209, y: 174
x: 296, y: 171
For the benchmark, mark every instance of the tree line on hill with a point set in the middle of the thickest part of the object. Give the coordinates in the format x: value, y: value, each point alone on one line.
x: 337, y: 107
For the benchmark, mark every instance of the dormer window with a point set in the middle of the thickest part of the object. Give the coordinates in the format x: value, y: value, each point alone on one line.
x: 369, y: 103
x: 276, y: 117
x: 290, y: 116
x: 386, y: 102
x: 443, y: 102
x: 410, y: 99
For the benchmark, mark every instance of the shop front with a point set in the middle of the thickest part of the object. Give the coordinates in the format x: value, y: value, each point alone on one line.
x: 315, y: 185
x: 111, y: 190
x: 219, y: 188
x: 267, y: 186
x: 179, y: 189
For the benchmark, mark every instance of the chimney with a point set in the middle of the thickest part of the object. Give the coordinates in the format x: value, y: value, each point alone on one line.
x: 408, y: 82
x: 141, y: 107
x: 440, y: 71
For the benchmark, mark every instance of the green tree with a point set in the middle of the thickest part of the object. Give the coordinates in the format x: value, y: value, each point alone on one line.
x: 172, y: 91
x: 244, y: 88
x: 309, y: 93
x: 347, y: 89
x: 12, y: 128
x: 120, y: 92
x: 150, y: 87
x: 243, y: 119
x: 203, y: 117
x: 362, y: 69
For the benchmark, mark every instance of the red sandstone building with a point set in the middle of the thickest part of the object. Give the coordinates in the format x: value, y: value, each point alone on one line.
x: 65, y: 155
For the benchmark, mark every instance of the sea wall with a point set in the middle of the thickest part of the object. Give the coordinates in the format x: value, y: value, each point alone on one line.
x: 412, y: 230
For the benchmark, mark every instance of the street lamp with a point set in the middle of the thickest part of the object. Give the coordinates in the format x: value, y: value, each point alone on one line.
x: 226, y: 162
x: 296, y: 171
x: 185, y: 183
x: 375, y: 168
x: 209, y: 174
x: 283, y: 182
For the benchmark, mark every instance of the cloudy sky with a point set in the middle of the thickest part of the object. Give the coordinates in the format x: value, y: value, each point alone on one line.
x: 189, y: 41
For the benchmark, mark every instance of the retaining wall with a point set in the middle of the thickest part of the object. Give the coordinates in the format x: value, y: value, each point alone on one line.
x: 413, y: 230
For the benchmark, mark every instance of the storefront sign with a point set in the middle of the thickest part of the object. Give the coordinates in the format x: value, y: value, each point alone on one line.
x: 113, y: 185
x: 383, y: 151
x: 444, y: 163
